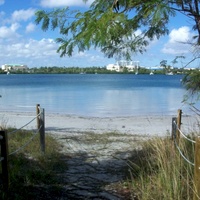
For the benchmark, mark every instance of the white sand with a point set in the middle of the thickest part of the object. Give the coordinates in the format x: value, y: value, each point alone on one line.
x: 70, y: 124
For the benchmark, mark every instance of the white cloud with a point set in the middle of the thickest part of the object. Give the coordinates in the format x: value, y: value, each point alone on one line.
x: 23, y: 15
x: 2, y: 2
x: 138, y: 32
x: 59, y: 3
x: 37, y: 49
x: 178, y: 41
x: 9, y: 32
x: 14, y: 27
x: 37, y: 53
x: 30, y: 27
x: 30, y: 49
x: 80, y: 54
x: 180, y: 35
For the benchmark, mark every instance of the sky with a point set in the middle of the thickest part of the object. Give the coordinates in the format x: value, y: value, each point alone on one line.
x: 23, y: 42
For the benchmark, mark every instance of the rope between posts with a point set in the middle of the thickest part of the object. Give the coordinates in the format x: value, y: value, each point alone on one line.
x: 25, y: 124
x: 182, y: 153
x: 183, y: 134
x: 28, y: 142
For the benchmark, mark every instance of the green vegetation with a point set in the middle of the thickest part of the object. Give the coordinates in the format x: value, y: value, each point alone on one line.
x: 119, y: 21
x: 69, y: 70
x: 30, y: 170
x: 159, y: 172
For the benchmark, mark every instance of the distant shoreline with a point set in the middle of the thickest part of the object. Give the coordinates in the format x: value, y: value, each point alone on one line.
x: 94, y: 70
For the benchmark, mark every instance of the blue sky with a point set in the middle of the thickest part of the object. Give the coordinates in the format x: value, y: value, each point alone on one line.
x: 22, y: 42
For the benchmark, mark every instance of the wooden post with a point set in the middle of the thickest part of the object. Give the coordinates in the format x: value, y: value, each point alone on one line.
x: 173, y: 136
x: 37, y: 114
x: 4, y: 160
x: 178, y: 125
x: 196, y: 195
x: 42, y: 130
x: 174, y: 128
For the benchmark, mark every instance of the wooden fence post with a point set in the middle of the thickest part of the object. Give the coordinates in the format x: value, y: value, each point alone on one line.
x: 37, y: 114
x: 174, y: 128
x: 179, y: 115
x: 196, y: 195
x: 42, y: 130
x: 4, y: 160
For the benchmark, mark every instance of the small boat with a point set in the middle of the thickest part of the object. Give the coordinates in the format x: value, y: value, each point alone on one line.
x: 151, y: 73
x: 169, y: 73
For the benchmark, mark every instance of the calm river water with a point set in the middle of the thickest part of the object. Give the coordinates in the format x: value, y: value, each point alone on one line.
x: 93, y: 95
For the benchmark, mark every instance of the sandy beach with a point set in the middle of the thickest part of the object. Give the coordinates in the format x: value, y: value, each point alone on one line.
x: 71, y: 124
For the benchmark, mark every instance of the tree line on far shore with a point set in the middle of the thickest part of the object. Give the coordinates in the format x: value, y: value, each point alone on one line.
x: 94, y: 70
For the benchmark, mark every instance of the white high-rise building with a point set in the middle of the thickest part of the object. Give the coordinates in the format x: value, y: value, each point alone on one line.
x: 8, y: 67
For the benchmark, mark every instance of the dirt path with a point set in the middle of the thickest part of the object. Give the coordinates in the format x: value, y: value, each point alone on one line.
x: 96, y: 162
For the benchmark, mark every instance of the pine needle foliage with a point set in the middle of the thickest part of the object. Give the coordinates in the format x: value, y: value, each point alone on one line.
x: 112, y: 26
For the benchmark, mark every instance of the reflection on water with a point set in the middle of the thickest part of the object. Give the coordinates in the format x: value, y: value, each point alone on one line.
x: 93, y: 95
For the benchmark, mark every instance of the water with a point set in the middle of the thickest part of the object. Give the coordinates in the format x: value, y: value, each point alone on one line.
x: 93, y: 95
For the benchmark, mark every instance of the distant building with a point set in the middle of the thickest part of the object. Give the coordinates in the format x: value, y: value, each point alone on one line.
x: 15, y: 67
x: 120, y: 65
x: 113, y: 67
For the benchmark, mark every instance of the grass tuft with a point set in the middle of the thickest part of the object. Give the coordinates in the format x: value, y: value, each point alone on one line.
x: 30, y: 170
x: 159, y: 172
